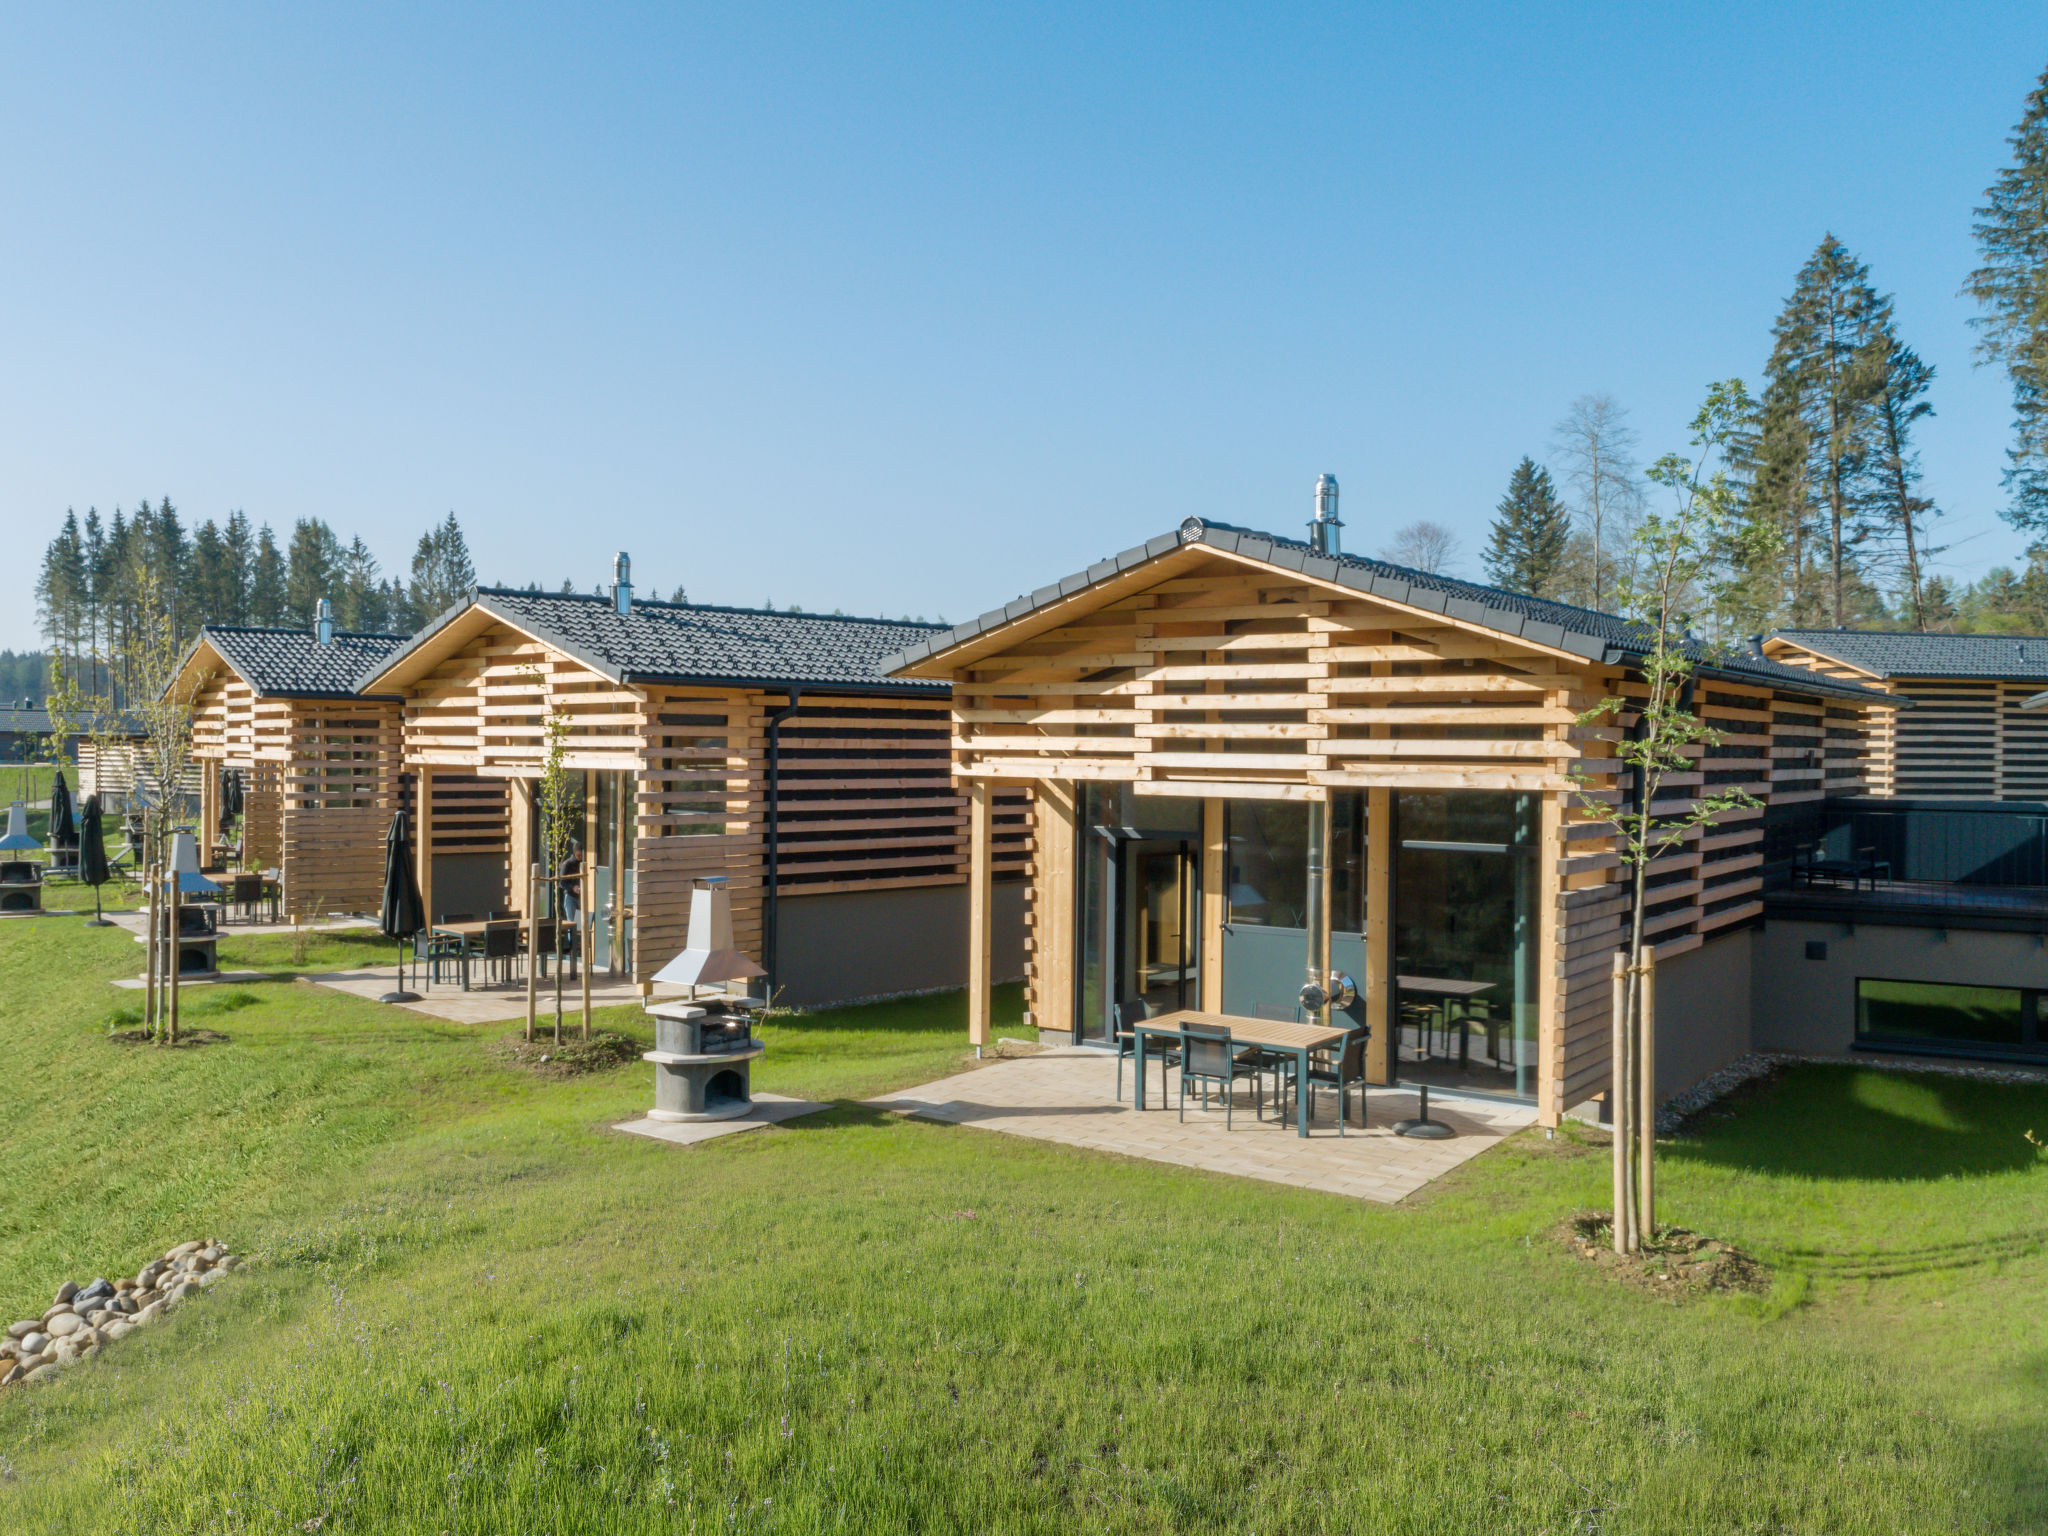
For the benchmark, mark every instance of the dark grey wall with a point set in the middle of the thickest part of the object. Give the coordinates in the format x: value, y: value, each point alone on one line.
x: 855, y: 944
x: 470, y: 882
x: 1810, y: 1005
x: 1704, y: 1010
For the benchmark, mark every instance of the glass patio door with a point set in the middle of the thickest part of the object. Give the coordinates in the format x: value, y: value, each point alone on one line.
x: 1139, y: 911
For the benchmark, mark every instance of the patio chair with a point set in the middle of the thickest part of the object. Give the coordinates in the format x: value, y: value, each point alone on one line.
x: 1342, y: 1071
x: 1206, y: 1057
x: 501, y: 948
x: 245, y: 895
x: 444, y: 950
x: 1129, y: 1014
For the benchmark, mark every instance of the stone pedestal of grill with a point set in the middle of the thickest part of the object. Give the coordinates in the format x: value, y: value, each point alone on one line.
x: 701, y: 1062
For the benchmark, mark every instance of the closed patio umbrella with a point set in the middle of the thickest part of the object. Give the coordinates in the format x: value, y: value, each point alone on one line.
x: 63, y: 830
x: 92, y: 857
x: 404, y: 914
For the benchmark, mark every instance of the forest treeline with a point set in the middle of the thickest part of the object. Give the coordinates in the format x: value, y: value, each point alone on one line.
x: 99, y: 575
x: 1837, y: 528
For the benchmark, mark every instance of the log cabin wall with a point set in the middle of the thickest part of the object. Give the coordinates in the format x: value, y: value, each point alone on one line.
x: 1209, y: 674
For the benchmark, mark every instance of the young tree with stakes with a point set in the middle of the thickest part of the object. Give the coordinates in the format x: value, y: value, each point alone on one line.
x: 559, y: 810
x: 166, y: 720
x: 1677, y: 554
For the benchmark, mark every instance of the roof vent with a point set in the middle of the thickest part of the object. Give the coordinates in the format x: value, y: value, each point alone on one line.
x: 1323, y: 536
x: 622, y: 582
x: 323, y: 622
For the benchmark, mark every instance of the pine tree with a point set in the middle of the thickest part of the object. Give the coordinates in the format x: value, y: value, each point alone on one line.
x: 1527, y: 548
x: 238, y: 545
x: 313, y: 570
x: 1902, y: 380
x: 1820, y: 374
x: 442, y: 573
x: 2012, y: 288
x: 210, y: 586
x: 360, y: 603
x: 267, y: 581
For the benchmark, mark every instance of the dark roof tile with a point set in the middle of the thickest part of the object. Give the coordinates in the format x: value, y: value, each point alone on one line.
x: 696, y: 643
x: 2016, y: 658
x: 292, y: 663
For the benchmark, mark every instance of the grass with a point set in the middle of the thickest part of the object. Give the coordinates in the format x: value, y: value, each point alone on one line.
x: 480, y: 1311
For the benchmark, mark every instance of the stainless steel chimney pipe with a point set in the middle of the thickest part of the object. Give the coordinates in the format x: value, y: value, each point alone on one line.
x: 1323, y: 535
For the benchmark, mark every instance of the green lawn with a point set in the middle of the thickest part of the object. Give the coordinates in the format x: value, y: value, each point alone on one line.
x: 480, y: 1311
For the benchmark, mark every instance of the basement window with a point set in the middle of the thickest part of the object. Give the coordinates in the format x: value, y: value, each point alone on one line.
x: 1947, y: 1018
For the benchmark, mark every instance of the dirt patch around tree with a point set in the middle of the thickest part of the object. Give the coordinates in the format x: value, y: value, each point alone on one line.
x: 1675, y: 1265
x: 185, y: 1037
x: 574, y: 1057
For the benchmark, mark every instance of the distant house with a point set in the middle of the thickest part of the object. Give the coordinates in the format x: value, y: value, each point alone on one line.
x: 317, y: 761
x: 24, y: 732
x: 1969, y: 735
x: 769, y: 748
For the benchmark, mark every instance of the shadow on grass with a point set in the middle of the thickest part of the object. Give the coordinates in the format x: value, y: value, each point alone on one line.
x: 1823, y: 1121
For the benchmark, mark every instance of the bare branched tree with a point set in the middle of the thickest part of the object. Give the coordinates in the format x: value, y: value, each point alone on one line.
x: 1423, y: 546
x: 1594, y: 449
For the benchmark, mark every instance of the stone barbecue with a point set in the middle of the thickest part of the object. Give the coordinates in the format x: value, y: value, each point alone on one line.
x: 702, y: 1055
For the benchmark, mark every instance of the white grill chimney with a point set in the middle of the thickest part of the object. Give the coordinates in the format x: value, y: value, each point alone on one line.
x: 622, y: 582
x: 1323, y: 536
x: 323, y: 622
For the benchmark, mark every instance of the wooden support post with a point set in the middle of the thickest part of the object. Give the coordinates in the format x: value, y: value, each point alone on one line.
x: 209, y: 809
x: 532, y: 955
x: 1617, y: 1104
x: 586, y: 947
x: 423, y: 854
x: 1215, y: 904
x: 155, y: 930
x: 1548, y: 1086
x: 1646, y: 1070
x: 174, y: 960
x: 980, y: 914
x: 524, y: 895
x: 622, y: 787
x: 1380, y: 1051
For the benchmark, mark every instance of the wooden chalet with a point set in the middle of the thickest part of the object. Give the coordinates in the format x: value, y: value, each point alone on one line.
x: 765, y: 747
x: 1969, y: 734
x: 1252, y: 761
x: 317, y: 762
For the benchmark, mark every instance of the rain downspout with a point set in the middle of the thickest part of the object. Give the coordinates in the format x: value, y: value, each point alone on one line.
x: 770, y: 931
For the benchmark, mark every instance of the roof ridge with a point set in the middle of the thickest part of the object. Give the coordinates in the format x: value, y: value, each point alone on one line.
x: 285, y: 629
x: 640, y: 603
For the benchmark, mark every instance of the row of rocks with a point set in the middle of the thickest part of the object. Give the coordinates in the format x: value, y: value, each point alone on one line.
x: 86, y: 1318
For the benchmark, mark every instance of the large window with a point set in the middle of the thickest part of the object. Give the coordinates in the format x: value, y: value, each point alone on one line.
x: 1944, y: 1016
x: 1268, y: 874
x: 1465, y: 924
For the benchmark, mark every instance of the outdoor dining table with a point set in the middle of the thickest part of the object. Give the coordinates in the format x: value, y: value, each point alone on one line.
x: 472, y: 936
x: 1448, y: 990
x: 1267, y: 1034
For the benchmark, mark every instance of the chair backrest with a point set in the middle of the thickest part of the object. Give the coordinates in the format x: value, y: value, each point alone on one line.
x: 501, y: 941
x: 1130, y: 1012
x: 1353, y: 1064
x: 458, y: 917
x: 248, y: 888
x: 500, y: 915
x: 1205, y: 1050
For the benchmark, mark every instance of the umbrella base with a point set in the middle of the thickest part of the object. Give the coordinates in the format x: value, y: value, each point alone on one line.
x: 399, y: 997
x: 100, y: 922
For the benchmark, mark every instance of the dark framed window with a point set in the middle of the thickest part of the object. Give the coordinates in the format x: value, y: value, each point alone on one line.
x: 1948, y: 1017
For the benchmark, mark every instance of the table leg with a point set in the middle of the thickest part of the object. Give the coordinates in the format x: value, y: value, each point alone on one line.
x: 1301, y: 1092
x: 1138, y: 1072
x: 1464, y: 1036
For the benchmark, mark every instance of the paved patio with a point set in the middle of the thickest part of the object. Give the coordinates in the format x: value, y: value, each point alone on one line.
x: 487, y: 1005
x: 1069, y: 1096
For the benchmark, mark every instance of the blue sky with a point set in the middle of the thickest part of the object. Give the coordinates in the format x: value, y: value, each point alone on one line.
x: 906, y: 309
